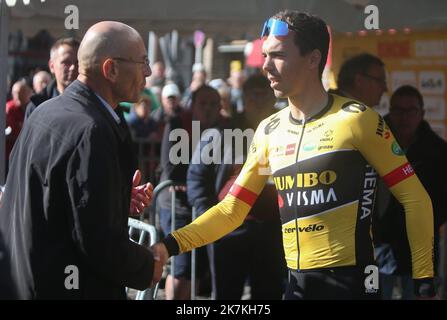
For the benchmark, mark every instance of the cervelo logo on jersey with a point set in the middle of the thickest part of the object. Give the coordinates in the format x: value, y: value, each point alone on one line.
x: 309, y: 228
x: 399, y: 174
x: 353, y: 107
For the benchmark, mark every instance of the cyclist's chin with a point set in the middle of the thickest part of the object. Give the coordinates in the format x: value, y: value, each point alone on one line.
x: 280, y: 93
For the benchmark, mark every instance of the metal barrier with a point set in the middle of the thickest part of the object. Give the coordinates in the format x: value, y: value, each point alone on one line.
x: 143, y: 231
x: 154, y: 218
x: 151, y: 229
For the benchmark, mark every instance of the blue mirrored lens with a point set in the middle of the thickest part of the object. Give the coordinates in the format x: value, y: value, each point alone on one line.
x: 275, y: 27
x: 265, y: 29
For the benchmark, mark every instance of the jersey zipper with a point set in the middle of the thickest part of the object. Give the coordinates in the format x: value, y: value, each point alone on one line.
x: 296, y: 208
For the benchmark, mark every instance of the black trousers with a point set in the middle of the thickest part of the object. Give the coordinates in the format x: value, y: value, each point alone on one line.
x: 343, y: 283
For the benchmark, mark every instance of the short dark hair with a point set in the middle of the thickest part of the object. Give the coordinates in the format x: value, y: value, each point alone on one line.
x: 407, y: 91
x: 70, y: 41
x: 256, y: 81
x: 358, y: 64
x: 204, y: 87
x: 310, y: 33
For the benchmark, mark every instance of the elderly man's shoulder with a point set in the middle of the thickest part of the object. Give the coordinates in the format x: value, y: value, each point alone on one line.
x: 65, y: 119
x: 65, y: 109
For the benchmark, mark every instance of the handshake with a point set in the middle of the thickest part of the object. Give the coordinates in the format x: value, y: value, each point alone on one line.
x: 161, y: 256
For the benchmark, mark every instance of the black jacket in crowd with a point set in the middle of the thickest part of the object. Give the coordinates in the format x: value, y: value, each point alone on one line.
x: 175, y: 172
x: 427, y: 155
x: 50, y: 91
x: 66, y: 204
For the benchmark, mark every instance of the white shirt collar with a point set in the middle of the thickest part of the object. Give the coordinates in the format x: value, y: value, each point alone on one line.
x: 109, y: 108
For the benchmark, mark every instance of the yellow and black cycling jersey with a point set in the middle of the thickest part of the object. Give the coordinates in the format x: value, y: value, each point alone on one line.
x: 325, y: 171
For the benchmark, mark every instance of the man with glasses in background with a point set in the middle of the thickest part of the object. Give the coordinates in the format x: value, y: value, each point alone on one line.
x: 363, y: 78
x: 427, y: 153
x: 323, y: 152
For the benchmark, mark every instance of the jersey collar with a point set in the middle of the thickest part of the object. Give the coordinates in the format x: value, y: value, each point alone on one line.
x: 330, y: 101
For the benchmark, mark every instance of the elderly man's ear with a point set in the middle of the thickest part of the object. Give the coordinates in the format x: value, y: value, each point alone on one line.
x: 110, y: 70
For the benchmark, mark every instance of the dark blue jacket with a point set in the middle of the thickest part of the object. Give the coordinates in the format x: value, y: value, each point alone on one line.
x: 66, y: 203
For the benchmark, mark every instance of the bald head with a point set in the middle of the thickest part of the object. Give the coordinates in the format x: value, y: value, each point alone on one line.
x: 41, y: 80
x: 104, y: 40
x: 21, y: 93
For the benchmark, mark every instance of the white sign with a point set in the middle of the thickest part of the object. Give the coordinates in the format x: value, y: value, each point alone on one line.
x: 432, y: 82
x: 384, y: 105
x: 430, y: 48
x: 401, y: 78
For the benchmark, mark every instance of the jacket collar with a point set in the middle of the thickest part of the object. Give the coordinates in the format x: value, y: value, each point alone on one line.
x: 82, y: 93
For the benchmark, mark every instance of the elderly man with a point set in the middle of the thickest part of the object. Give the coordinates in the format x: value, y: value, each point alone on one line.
x: 40, y: 81
x: 63, y: 65
x: 68, y: 196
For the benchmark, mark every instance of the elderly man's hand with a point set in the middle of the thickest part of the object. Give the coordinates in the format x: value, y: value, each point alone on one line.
x: 161, y: 256
x: 141, y: 195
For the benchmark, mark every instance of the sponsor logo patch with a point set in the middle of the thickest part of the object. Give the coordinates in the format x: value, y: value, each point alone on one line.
x: 272, y: 125
x: 396, y: 149
x: 399, y: 174
x: 309, y: 146
x: 309, y: 228
x: 290, y: 149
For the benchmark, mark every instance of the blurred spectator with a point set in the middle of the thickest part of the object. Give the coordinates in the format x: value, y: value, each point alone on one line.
x: 40, y: 80
x: 236, y: 81
x: 127, y: 107
x: 198, y: 80
x: 170, y: 107
x: 63, y: 65
x: 427, y: 153
x: 158, y: 77
x: 363, y: 78
x: 205, y: 109
x: 15, y: 112
x: 156, y: 91
x: 170, y: 103
x: 140, y: 122
x: 226, y: 110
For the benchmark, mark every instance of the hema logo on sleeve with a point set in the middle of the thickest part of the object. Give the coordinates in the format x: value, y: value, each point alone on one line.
x: 372, y: 279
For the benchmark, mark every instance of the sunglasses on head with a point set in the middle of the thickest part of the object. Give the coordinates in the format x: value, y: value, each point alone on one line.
x: 275, y: 27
